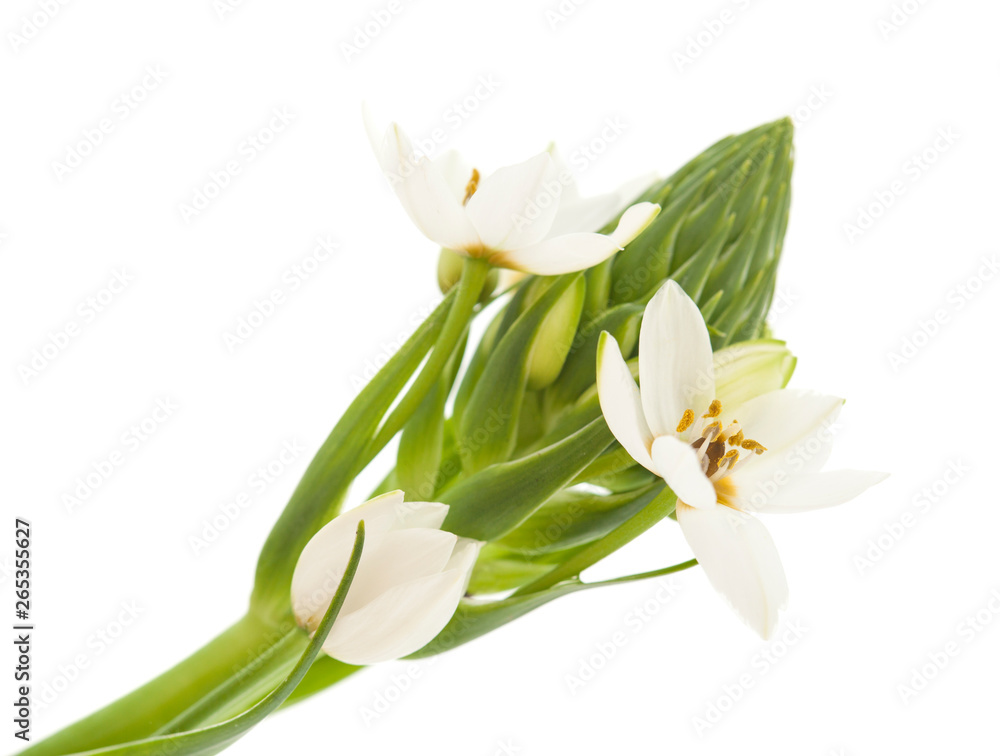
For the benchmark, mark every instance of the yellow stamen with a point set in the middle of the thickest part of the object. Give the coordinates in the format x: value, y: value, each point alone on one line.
x: 686, y: 421
x: 471, y: 187
x: 714, y: 409
x: 737, y: 439
x: 754, y: 446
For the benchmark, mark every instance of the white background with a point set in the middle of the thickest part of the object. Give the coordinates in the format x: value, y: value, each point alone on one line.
x: 889, y: 85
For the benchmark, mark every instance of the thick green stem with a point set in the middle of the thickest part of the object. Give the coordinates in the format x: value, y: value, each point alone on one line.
x: 142, y: 712
x: 662, y: 506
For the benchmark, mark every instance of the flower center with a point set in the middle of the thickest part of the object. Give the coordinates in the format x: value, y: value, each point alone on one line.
x: 471, y: 187
x: 713, y: 439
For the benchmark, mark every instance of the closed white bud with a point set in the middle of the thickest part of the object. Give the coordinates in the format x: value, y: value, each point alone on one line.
x: 410, y: 580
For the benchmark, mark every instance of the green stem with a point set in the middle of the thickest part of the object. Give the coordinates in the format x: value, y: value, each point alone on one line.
x: 662, y: 506
x: 244, y: 689
x: 140, y: 713
x: 470, y: 286
x: 646, y: 575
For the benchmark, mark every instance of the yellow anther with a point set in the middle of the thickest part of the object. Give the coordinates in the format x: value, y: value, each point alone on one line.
x: 686, y: 421
x: 733, y: 456
x: 714, y: 409
x: 756, y: 447
x: 712, y: 430
x: 737, y: 439
x: 471, y: 187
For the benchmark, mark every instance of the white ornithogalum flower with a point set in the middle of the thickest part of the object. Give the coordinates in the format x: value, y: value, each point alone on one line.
x: 763, y: 454
x: 410, y: 579
x: 510, y: 218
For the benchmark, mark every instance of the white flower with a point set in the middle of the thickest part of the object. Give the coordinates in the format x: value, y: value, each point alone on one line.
x: 510, y: 218
x: 681, y: 429
x: 579, y: 213
x: 410, y: 579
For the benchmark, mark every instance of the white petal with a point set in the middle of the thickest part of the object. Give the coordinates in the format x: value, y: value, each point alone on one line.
x: 388, y: 505
x: 783, y: 417
x: 402, y: 620
x: 464, y: 554
x: 426, y: 193
x: 456, y: 172
x: 322, y: 562
x: 620, y: 402
x: 572, y: 252
x: 633, y: 222
x: 421, y: 514
x: 578, y: 213
x: 678, y: 464
x: 464, y: 558
x: 801, y: 493
x: 584, y: 214
x: 514, y: 206
x: 740, y: 561
x: 400, y: 557
x: 675, y: 359
x: 797, y: 428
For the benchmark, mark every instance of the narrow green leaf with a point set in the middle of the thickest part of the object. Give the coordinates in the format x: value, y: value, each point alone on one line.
x: 492, y: 502
x: 473, y: 619
x: 422, y: 440
x: 487, y: 428
x: 572, y: 518
x: 580, y: 371
x: 320, y: 493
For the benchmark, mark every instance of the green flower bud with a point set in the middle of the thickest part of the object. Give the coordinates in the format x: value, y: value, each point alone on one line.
x: 450, y: 270
x: 555, y: 337
x: 750, y: 368
x: 719, y: 234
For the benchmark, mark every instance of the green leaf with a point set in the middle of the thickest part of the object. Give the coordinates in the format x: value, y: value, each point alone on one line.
x: 695, y: 271
x: 494, y: 501
x: 487, y: 427
x: 572, y: 518
x: 421, y: 444
x: 498, y: 570
x: 473, y: 619
x: 496, y: 330
x: 324, y: 672
x: 580, y: 370
x: 321, y: 491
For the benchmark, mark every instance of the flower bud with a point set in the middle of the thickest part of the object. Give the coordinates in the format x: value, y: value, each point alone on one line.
x: 751, y: 368
x: 720, y: 232
x: 555, y: 336
x: 450, y: 270
x: 409, y: 582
